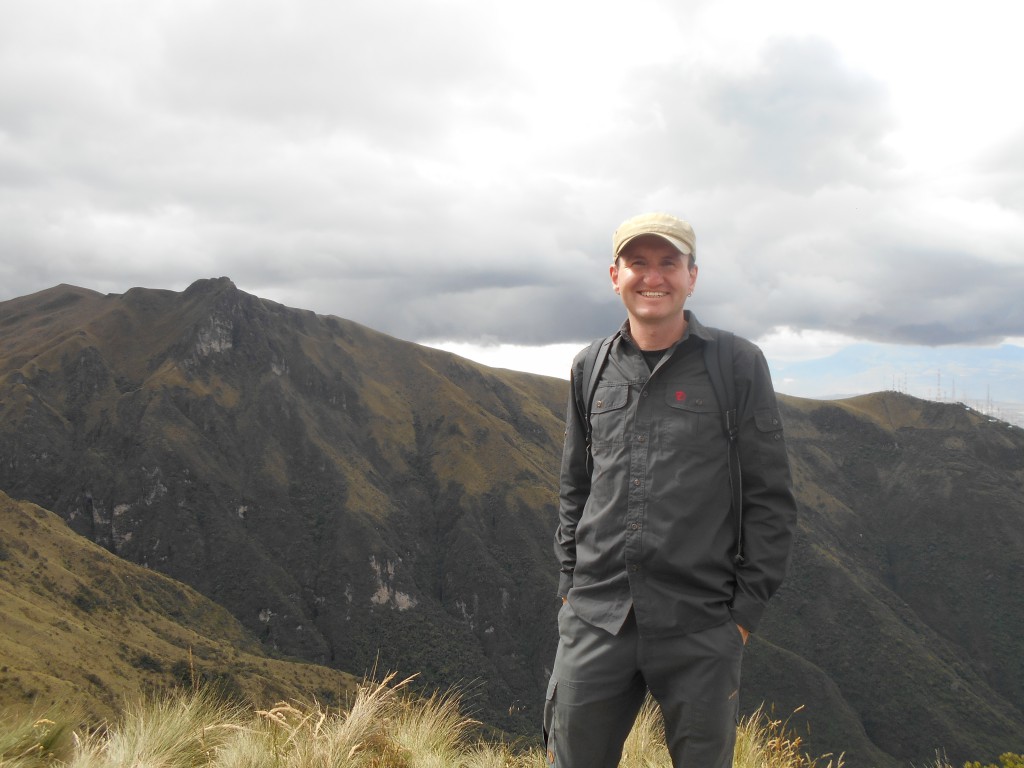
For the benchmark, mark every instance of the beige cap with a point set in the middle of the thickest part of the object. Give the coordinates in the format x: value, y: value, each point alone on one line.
x: 676, y: 231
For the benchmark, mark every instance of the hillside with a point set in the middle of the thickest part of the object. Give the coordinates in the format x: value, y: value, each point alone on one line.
x: 903, y: 588
x: 354, y: 499
x: 86, y: 631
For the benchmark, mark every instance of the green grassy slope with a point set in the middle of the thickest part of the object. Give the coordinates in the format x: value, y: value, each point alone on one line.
x: 84, y: 630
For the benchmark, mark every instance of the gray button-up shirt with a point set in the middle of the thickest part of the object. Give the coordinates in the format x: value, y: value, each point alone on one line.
x: 651, y: 527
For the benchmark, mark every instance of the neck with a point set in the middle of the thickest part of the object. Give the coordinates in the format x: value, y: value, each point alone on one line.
x: 653, y: 336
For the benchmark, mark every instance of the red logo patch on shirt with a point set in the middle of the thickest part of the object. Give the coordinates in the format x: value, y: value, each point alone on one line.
x: 680, y: 396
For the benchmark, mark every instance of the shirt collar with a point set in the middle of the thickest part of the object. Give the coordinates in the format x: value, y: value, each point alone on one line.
x: 696, y: 328
x: 693, y: 328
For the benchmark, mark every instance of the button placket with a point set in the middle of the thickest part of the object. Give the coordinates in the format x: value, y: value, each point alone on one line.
x: 636, y: 498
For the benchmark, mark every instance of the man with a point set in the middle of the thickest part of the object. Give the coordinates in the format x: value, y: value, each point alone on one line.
x: 655, y: 592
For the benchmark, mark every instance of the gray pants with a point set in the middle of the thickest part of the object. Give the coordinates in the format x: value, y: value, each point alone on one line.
x: 599, y: 682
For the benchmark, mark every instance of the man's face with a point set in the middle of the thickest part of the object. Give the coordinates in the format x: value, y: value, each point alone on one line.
x: 653, y: 279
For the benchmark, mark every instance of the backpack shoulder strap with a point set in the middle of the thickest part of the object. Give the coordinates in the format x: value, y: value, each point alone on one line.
x: 593, y: 362
x: 718, y: 357
x: 592, y: 366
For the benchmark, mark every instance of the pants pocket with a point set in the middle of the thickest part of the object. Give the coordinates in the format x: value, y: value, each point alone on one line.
x: 549, y: 721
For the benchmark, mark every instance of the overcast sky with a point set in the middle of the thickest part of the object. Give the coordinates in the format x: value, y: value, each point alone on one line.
x: 452, y: 170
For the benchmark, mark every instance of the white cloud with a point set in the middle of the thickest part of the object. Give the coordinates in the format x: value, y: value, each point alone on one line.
x: 789, y: 345
x: 449, y: 169
x: 546, y: 360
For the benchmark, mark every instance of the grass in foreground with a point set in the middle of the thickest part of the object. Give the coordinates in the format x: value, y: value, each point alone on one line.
x: 384, y: 727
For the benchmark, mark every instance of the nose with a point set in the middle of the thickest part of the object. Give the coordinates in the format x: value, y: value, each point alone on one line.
x: 653, y: 275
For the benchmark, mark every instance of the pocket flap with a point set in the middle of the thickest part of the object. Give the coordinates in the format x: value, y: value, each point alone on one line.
x: 768, y: 419
x: 696, y: 399
x: 609, y: 399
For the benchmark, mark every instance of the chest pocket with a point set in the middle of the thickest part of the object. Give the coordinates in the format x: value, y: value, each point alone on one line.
x: 693, y: 421
x: 608, y: 415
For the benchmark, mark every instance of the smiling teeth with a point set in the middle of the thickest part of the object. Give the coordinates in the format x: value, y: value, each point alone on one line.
x: 653, y: 294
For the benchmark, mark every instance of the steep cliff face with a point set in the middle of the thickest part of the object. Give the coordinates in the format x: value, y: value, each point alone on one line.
x: 353, y: 499
x: 360, y: 501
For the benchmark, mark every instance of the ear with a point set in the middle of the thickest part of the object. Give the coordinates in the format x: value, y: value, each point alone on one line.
x: 613, y: 272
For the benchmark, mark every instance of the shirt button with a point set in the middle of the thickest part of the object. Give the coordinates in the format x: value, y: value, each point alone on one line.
x: 640, y: 438
x: 634, y: 526
x: 636, y: 481
x: 644, y: 393
x: 599, y: 403
x: 634, y: 568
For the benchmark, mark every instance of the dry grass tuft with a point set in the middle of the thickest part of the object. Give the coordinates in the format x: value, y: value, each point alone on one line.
x: 430, y: 733
x: 766, y: 742
x: 645, y: 745
x: 181, y: 730
x: 35, y: 741
x: 384, y: 727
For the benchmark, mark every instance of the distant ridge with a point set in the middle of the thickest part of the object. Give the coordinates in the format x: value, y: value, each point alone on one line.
x: 355, y: 499
x: 988, y: 379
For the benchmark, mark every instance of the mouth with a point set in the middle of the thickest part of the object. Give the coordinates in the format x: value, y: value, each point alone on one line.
x: 653, y: 294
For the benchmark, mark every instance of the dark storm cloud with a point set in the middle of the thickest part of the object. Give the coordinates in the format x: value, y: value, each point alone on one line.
x: 799, y: 121
x: 410, y: 166
x: 805, y: 121
x: 804, y: 217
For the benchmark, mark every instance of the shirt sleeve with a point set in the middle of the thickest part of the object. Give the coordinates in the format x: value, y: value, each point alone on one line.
x: 769, y: 506
x: 574, y: 486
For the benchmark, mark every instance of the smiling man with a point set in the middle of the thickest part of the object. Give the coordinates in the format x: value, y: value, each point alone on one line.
x: 671, y: 538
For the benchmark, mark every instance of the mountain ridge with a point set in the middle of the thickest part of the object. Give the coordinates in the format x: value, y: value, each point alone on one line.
x: 354, y: 498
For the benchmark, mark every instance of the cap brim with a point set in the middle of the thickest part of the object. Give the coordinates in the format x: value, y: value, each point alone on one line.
x: 679, y: 245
